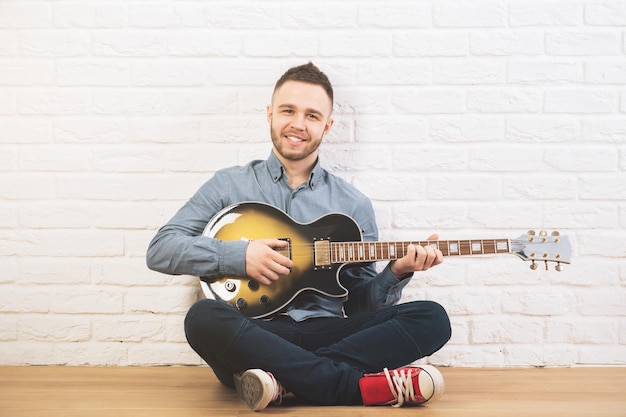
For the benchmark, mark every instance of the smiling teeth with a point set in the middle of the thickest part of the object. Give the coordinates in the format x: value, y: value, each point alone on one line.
x: 291, y: 138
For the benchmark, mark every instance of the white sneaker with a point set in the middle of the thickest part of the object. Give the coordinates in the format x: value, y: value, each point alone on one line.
x: 257, y: 389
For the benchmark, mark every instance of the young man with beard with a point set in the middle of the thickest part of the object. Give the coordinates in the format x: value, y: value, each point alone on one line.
x: 326, y: 349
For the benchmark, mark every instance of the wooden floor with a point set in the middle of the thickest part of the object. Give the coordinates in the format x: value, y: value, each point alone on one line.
x: 194, y: 391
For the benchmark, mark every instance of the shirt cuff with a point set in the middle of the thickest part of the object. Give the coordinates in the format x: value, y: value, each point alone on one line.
x: 232, y: 259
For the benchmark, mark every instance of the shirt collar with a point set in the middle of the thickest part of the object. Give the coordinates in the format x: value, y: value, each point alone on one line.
x: 277, y: 171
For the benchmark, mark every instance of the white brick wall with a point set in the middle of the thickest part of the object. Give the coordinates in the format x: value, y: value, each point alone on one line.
x: 474, y: 119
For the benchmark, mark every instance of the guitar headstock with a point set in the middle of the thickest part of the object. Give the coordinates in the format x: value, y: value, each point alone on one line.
x: 536, y: 247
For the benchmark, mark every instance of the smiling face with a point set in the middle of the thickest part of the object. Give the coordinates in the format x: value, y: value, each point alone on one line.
x: 299, y: 117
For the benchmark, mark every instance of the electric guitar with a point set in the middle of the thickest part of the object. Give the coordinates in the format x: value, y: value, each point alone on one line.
x: 320, y: 249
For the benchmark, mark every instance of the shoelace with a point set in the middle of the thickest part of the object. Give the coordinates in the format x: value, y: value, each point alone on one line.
x: 401, y: 385
x: 279, y: 390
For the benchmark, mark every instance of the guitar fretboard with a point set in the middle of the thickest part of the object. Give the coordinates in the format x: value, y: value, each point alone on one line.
x: 343, y: 252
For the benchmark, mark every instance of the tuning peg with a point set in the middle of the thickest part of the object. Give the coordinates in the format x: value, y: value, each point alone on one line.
x: 546, y: 262
x: 543, y: 233
x: 533, y: 265
x: 558, y: 267
x: 555, y: 233
x: 531, y: 233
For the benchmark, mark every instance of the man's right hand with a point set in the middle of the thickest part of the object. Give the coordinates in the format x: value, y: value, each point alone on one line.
x: 264, y: 263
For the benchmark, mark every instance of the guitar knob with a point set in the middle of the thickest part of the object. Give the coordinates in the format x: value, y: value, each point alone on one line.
x: 265, y: 300
x: 241, y: 304
x: 253, y: 285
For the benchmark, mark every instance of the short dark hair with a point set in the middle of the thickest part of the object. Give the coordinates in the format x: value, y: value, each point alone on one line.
x: 307, y: 73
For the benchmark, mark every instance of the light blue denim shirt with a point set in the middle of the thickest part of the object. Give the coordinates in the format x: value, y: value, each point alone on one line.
x: 180, y: 248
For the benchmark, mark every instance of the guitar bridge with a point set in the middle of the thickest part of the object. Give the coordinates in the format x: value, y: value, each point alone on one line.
x: 322, y: 253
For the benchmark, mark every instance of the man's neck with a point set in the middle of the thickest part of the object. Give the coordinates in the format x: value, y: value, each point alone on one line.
x: 298, y: 172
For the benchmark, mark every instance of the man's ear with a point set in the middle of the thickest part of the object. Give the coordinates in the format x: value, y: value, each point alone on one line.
x: 269, y: 112
x: 329, y: 124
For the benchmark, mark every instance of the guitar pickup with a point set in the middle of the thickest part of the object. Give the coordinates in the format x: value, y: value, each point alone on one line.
x: 286, y: 251
x: 322, y: 253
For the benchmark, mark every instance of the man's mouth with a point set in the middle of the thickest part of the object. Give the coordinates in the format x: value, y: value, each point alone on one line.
x: 294, y: 139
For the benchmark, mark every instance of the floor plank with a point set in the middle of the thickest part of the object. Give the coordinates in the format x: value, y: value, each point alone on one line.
x: 194, y: 391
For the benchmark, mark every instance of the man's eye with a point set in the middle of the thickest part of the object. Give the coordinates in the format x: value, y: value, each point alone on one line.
x: 313, y: 116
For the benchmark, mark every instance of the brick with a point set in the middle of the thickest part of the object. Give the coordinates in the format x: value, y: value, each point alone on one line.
x: 47, y: 43
x: 542, y: 13
x: 244, y: 15
x: 74, y: 15
x: 506, y: 330
x: 469, y: 71
x: 475, y: 14
x: 604, y: 129
x: 604, y: 243
x: 54, y: 102
x: 54, y: 158
x: 52, y: 270
x: 430, y: 101
x: 428, y: 158
x: 583, y: 331
x: 100, y: 72
x: 542, y: 129
x: 8, y: 328
x: 408, y: 71
x: 466, y: 129
x: 606, y: 72
x: 129, y: 43
x: 155, y: 300
x: 505, y: 101
x: 162, y: 354
x: 582, y: 214
x: 178, y: 15
x: 90, y: 129
x: 131, y: 328
x: 574, y: 43
x: 606, y: 13
x: 129, y: 102
x: 522, y: 70
x: 395, y: 15
x: 55, y: 328
x: 82, y: 300
x: 351, y: 45
x: 392, y: 129
x: 344, y: 15
x: 454, y: 187
x: 21, y: 299
x: 204, y: 43
x: 535, y: 188
x: 8, y: 102
x: 543, y: 302
x: 605, y: 301
x: 581, y: 101
x: 430, y: 44
x: 504, y: 43
x: 25, y: 16
x: 603, y: 187
x: 181, y: 72
x: 29, y: 72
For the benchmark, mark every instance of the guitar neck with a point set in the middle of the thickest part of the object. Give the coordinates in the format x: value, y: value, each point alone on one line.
x: 343, y: 252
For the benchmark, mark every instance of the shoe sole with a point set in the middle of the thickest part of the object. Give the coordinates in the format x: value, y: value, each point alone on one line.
x: 254, y: 389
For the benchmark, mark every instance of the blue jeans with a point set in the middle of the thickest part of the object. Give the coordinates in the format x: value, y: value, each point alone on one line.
x: 320, y: 359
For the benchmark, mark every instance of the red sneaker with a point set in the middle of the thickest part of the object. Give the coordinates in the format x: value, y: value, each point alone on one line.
x: 411, y: 385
